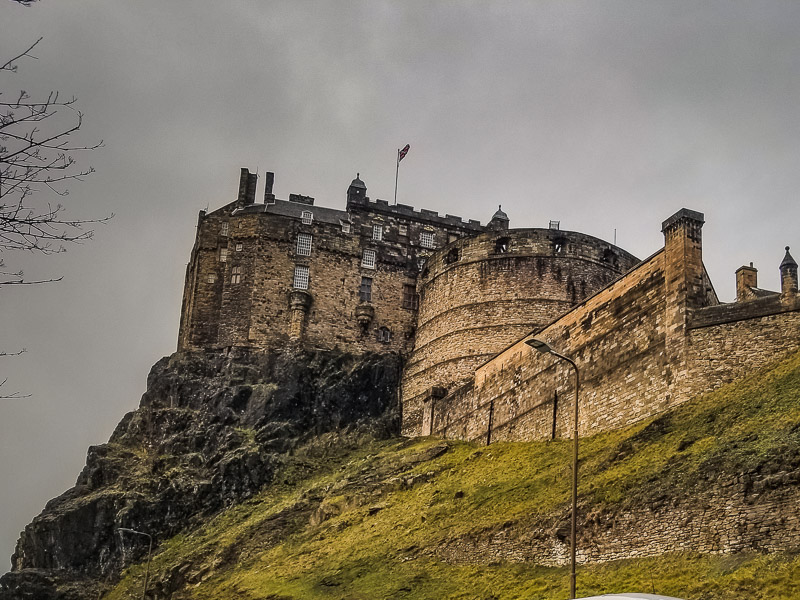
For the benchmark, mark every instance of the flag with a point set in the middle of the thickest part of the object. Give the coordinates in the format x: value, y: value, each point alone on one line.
x: 402, y: 153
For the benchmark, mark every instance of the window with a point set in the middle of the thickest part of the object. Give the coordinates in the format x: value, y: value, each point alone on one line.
x: 239, y: 247
x: 223, y: 230
x: 236, y: 275
x: 365, y: 291
x: 300, y: 278
x: 304, y: 244
x: 307, y: 216
x: 368, y: 259
x: 452, y: 256
x: 384, y: 335
x: 501, y: 245
x: 410, y: 297
x: 223, y: 255
x: 377, y: 232
x: 345, y: 226
x: 451, y: 237
x: 402, y: 229
x: 212, y: 278
x: 426, y: 239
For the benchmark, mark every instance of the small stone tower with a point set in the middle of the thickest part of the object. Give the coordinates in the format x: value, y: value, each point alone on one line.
x: 499, y: 220
x: 357, y: 192
x: 788, y: 274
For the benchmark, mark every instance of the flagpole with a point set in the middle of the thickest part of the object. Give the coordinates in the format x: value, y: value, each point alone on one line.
x: 396, y: 173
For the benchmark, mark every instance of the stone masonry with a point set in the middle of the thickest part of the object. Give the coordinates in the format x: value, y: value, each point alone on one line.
x: 457, y: 300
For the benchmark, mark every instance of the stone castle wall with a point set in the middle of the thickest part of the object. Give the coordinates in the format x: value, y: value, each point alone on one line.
x: 653, y: 339
x: 240, y: 288
x: 459, y: 299
x: 480, y: 294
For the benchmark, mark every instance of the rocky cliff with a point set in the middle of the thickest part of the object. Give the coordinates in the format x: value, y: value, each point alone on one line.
x: 278, y: 477
x: 211, y: 430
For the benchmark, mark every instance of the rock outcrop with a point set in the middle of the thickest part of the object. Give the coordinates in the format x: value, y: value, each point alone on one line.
x: 210, y: 431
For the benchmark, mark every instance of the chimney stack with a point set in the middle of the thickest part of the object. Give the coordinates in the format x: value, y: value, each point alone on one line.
x: 269, y: 179
x: 247, y: 188
x: 746, y: 278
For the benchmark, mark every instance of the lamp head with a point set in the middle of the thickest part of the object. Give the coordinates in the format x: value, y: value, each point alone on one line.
x: 539, y: 345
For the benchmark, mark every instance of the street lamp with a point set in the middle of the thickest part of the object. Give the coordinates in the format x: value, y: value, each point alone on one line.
x: 542, y: 347
x: 149, y: 553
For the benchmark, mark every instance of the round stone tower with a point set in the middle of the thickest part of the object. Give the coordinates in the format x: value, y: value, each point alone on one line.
x: 480, y: 294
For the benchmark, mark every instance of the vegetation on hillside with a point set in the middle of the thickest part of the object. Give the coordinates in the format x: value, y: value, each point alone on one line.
x: 365, y: 519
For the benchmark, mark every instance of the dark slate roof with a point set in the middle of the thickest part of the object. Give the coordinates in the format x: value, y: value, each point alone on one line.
x: 357, y: 183
x: 788, y: 261
x: 761, y: 293
x: 294, y: 210
x: 500, y: 214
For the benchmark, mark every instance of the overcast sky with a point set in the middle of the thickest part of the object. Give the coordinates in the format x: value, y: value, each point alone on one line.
x: 603, y: 115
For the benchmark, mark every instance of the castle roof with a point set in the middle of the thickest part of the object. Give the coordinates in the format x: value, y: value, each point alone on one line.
x: 295, y: 210
x: 500, y: 215
x: 788, y: 261
x: 357, y: 183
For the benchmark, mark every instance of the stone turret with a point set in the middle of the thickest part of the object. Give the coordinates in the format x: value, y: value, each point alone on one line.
x: 499, y: 220
x: 788, y: 274
x: 357, y: 192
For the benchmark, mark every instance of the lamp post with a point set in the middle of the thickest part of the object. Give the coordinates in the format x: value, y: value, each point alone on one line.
x: 542, y: 347
x: 149, y: 553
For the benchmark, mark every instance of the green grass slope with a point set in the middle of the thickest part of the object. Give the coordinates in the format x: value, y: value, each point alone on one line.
x: 367, y: 520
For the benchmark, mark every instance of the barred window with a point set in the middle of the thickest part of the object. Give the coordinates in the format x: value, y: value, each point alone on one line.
x: 307, y: 216
x: 223, y: 230
x: 368, y: 259
x: 212, y: 278
x: 426, y: 239
x: 236, y: 275
x: 300, y: 278
x: 239, y: 247
x: 377, y: 232
x: 384, y: 335
x: 304, y: 244
x: 365, y: 291
x: 410, y: 297
x: 223, y: 255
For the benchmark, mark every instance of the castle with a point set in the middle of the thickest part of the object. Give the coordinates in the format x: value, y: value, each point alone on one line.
x: 458, y: 299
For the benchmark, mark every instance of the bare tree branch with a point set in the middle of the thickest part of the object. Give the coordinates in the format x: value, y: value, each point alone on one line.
x: 37, y: 161
x: 37, y: 158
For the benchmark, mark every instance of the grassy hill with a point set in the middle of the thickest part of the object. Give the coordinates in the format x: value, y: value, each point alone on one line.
x: 360, y: 519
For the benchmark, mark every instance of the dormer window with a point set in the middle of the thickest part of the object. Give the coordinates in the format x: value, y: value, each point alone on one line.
x: 307, y: 217
x: 377, y: 233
